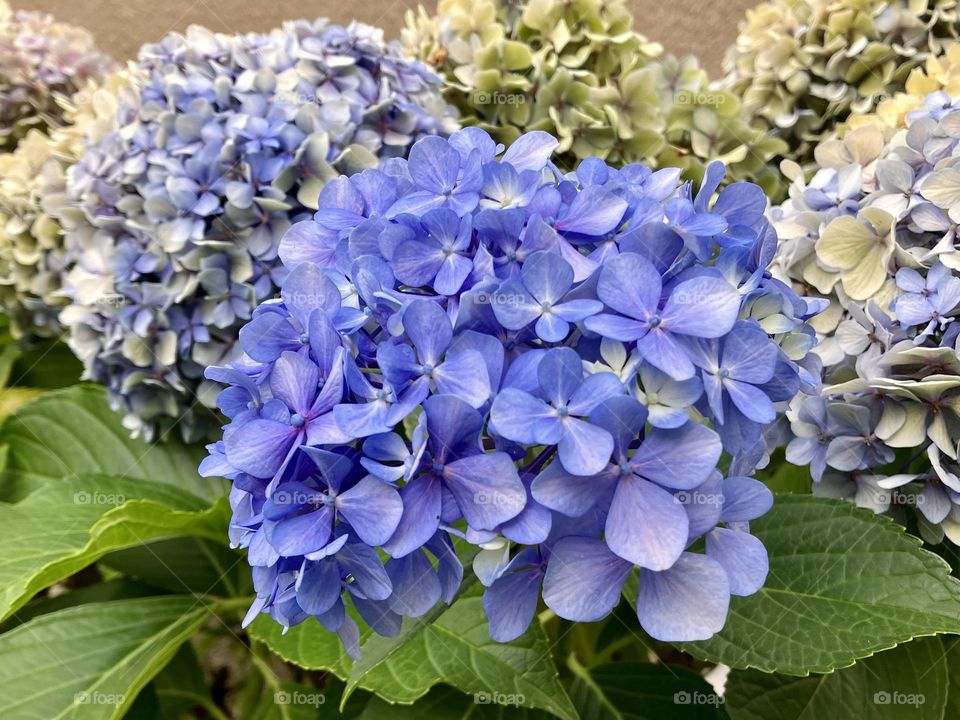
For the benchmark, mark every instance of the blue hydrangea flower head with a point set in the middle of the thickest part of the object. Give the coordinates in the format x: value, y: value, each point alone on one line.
x: 177, y: 214
x: 474, y: 351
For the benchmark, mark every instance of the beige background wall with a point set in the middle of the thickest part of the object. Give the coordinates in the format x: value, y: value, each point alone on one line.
x: 121, y: 26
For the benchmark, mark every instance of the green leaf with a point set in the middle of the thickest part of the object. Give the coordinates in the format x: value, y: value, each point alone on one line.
x: 843, y: 584
x: 50, y: 364
x: 785, y: 479
x: 89, y: 662
x: 186, y: 564
x: 909, y: 681
x: 455, y: 648
x: 74, y: 432
x: 641, y: 691
x: 952, y: 646
x: 65, y: 526
x: 292, y: 701
x: 446, y: 703
x: 12, y: 399
x: 308, y: 645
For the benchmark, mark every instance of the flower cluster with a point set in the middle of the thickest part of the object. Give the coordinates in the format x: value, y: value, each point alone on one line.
x: 579, y: 71
x: 800, y: 66
x: 875, y: 232
x: 41, y: 61
x: 175, y: 217
x: 472, y: 345
x: 33, y: 195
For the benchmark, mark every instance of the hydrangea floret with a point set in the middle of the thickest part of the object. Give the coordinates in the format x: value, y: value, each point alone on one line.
x: 801, y: 66
x: 42, y: 62
x: 475, y: 352
x: 176, y: 216
x: 579, y: 71
x: 874, y: 231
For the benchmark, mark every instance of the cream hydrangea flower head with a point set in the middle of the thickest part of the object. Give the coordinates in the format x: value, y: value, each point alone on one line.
x: 548, y: 65
x: 33, y: 203
x: 800, y: 66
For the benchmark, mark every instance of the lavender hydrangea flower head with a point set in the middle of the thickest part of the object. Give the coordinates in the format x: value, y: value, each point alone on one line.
x: 176, y: 215
x: 874, y: 233
x: 41, y: 62
x: 473, y: 350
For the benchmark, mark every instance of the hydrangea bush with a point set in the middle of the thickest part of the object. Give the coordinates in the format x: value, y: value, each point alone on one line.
x: 569, y: 373
x: 580, y: 71
x: 874, y: 232
x: 42, y: 61
x: 176, y: 215
x: 33, y: 196
x: 801, y: 66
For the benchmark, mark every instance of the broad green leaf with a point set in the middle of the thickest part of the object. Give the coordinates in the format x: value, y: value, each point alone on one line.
x: 89, y: 662
x: 641, y: 691
x: 843, y: 584
x: 120, y: 589
x: 74, y: 432
x: 65, y: 526
x: 292, y: 701
x: 186, y: 564
x: 446, y: 703
x: 49, y: 365
x: 12, y: 399
x: 456, y: 649
x: 909, y: 681
x: 308, y: 645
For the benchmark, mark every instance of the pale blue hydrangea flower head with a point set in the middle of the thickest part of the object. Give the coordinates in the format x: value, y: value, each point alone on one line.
x: 178, y: 213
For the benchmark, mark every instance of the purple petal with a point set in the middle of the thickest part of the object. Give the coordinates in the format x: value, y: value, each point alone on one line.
x: 294, y: 380
x: 259, y: 447
x: 318, y: 586
x: 704, y: 307
x: 530, y: 151
x: 681, y: 459
x: 646, y: 524
x: 420, y: 519
x: 583, y: 579
x: 510, y: 604
x: 519, y: 416
x: 686, y: 603
x: 429, y: 330
x: 630, y: 285
x: 487, y: 489
x: 742, y: 556
x: 372, y: 508
x: 663, y: 352
x: 416, y: 587
x: 584, y: 449
x: 302, y: 534
x: 751, y: 401
x: 594, y: 211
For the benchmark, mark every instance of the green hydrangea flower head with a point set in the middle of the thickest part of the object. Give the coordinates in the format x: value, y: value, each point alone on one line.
x: 578, y: 70
x: 801, y: 66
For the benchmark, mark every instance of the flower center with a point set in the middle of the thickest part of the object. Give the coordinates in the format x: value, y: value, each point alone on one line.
x: 427, y: 369
x: 297, y: 420
x: 723, y: 373
x: 438, y: 468
x: 654, y: 321
x: 562, y: 411
x: 304, y: 339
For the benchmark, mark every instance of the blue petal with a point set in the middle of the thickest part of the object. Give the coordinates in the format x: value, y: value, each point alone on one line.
x: 373, y: 509
x: 646, y: 524
x: 416, y: 587
x: 530, y: 151
x: 584, y: 449
x: 510, y: 604
x: 686, y: 603
x: 583, y: 579
x: 487, y: 489
x: 420, y: 519
x: 742, y: 556
x: 681, y: 459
